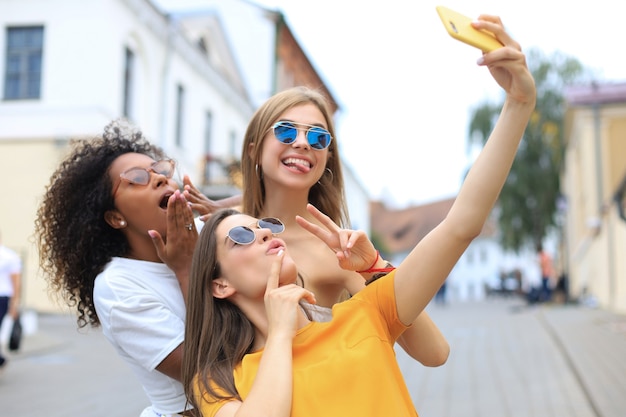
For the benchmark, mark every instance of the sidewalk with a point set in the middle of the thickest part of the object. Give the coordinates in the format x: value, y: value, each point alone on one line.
x: 510, y: 360
x: 61, y: 371
x: 506, y: 360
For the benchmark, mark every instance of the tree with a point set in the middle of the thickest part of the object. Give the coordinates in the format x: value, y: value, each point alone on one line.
x: 527, y: 205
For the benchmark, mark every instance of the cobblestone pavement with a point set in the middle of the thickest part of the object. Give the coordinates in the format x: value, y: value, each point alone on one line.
x: 507, y: 360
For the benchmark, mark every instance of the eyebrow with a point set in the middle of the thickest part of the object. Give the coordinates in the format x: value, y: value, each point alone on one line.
x: 317, y: 124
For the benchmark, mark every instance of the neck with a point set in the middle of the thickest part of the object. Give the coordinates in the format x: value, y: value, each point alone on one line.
x: 286, y: 204
x: 256, y: 313
x: 142, y: 249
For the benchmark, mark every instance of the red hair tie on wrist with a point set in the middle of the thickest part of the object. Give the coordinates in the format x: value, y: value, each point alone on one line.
x: 371, y: 269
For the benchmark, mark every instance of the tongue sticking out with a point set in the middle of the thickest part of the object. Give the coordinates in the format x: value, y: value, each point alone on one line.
x: 299, y: 166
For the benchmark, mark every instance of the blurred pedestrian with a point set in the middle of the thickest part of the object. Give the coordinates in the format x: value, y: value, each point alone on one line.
x: 440, y: 297
x: 10, y: 286
x: 547, y: 274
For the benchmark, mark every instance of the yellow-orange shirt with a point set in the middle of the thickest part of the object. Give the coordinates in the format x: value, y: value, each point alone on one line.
x: 345, y: 367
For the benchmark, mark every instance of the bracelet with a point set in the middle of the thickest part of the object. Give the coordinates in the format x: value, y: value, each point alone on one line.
x: 384, y: 271
x: 370, y: 269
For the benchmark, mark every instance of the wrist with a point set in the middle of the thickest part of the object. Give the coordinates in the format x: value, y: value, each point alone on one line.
x: 380, y: 272
x: 373, y: 265
x: 379, y: 265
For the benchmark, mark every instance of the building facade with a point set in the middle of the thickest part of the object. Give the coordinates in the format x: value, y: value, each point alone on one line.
x: 69, y: 67
x: 594, y: 183
x: 481, y: 270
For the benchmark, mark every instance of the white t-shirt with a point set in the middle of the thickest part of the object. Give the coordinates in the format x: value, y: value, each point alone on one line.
x: 142, y: 313
x: 10, y: 263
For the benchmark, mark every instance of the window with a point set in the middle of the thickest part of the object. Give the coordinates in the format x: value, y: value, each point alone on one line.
x: 180, y: 98
x: 23, y: 63
x: 129, y: 77
x: 208, y: 132
x: 208, y: 146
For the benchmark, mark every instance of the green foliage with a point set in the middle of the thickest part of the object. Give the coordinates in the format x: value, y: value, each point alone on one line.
x: 527, y: 204
x: 379, y: 243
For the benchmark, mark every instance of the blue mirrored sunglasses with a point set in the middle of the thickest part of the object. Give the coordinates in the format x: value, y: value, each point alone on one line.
x: 244, y: 235
x: 287, y: 132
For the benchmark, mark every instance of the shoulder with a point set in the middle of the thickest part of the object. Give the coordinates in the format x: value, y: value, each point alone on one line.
x: 125, y: 278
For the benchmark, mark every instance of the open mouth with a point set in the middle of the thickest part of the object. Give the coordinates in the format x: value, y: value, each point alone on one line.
x: 164, y: 200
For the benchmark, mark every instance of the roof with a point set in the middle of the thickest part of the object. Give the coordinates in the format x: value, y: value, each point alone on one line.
x: 595, y: 93
x: 401, y: 230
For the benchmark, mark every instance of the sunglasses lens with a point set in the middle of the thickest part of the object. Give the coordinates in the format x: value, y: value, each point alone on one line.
x: 275, y: 225
x: 318, y: 138
x: 241, y: 234
x: 137, y: 176
x: 165, y: 168
x: 285, y: 132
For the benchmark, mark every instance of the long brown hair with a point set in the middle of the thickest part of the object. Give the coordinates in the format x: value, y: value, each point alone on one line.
x: 328, y: 193
x: 217, y: 333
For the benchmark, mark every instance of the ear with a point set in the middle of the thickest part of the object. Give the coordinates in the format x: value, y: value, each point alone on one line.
x: 114, y: 219
x: 251, y: 150
x: 221, y: 288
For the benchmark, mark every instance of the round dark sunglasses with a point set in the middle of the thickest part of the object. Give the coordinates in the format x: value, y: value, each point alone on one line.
x: 287, y: 132
x: 244, y: 235
x: 141, y: 176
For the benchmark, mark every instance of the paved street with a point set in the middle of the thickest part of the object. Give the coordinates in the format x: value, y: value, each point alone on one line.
x: 507, y: 360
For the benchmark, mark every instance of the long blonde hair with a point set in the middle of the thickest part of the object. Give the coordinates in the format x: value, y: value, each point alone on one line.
x: 327, y: 194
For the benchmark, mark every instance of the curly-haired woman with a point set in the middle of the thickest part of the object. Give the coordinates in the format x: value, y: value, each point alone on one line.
x: 115, y: 238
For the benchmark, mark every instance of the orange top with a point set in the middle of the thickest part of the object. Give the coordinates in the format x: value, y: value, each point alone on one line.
x: 345, y: 367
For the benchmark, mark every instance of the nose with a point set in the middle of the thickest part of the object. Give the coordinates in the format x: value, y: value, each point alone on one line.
x: 301, y: 140
x: 159, y: 178
x: 263, y: 234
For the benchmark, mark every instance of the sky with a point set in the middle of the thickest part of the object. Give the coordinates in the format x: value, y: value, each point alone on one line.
x: 406, y: 88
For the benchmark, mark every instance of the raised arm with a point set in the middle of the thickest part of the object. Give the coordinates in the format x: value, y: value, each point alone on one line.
x: 423, y: 340
x: 424, y: 270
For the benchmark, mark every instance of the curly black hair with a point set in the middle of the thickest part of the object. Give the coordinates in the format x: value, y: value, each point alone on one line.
x: 74, y: 240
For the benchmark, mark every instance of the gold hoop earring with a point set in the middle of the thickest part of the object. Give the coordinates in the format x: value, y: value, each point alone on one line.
x: 332, y: 177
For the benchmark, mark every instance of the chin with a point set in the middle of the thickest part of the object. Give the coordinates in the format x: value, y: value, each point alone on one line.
x: 288, y: 273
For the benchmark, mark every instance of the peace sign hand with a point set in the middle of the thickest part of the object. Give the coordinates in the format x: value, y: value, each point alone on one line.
x: 354, y: 250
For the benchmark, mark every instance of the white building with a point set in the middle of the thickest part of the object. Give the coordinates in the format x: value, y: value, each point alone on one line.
x: 71, y: 66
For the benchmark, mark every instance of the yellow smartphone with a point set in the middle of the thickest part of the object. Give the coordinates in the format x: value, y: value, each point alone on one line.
x: 460, y: 28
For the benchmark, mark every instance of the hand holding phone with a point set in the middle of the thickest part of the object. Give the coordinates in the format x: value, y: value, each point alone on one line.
x: 460, y: 28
